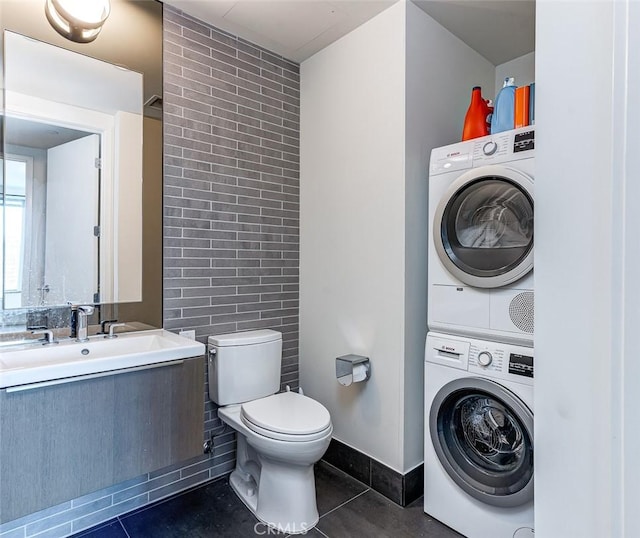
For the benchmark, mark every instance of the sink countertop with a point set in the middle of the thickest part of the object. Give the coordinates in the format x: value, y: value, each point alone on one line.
x: 35, y: 363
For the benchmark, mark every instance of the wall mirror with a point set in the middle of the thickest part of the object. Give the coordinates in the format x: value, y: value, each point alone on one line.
x: 72, y: 207
x: 129, y: 44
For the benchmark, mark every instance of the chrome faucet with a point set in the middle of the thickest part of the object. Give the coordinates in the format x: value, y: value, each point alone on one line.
x: 112, y: 329
x: 49, y: 337
x: 82, y: 313
x: 104, y: 323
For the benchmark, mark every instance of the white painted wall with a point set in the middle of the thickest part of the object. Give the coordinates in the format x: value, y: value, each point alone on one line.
x: 437, y: 97
x: 352, y: 230
x: 581, y: 299
x: 373, y: 104
x: 522, y: 68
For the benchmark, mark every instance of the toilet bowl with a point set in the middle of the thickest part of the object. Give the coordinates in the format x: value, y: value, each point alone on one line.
x: 274, y: 469
x: 280, y: 436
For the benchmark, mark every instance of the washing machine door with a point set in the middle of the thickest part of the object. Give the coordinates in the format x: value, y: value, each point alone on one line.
x: 483, y: 436
x: 483, y: 226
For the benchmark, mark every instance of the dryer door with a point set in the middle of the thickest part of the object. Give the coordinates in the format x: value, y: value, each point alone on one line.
x: 483, y: 436
x: 483, y: 227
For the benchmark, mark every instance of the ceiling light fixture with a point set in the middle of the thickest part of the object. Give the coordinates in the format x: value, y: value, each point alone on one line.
x: 77, y: 20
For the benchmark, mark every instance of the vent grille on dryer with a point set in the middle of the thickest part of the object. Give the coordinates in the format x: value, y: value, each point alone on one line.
x: 521, y: 311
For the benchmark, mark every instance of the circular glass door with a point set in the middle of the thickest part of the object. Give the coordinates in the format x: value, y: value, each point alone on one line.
x: 483, y: 227
x: 483, y: 437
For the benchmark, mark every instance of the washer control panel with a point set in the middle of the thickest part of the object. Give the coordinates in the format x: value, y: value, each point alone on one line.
x: 500, y: 359
x: 486, y: 357
x: 492, y: 359
x: 521, y: 364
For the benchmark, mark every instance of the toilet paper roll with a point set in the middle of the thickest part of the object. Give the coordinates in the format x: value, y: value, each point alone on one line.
x: 359, y: 372
x: 345, y: 380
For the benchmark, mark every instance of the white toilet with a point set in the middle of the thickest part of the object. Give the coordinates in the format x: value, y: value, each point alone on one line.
x: 280, y: 436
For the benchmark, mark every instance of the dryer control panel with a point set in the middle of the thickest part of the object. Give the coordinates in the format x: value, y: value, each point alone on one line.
x: 493, y: 149
x: 490, y: 148
x: 524, y: 141
x: 508, y: 144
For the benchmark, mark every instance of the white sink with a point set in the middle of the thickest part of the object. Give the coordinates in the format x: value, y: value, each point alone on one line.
x: 35, y: 363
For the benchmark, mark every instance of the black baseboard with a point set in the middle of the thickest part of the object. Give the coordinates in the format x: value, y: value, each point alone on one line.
x: 401, y: 489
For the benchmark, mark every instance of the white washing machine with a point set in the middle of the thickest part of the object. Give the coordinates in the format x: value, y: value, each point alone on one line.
x: 478, y: 459
x: 481, y: 237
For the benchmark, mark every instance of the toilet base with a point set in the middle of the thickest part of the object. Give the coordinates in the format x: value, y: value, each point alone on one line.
x: 245, y: 488
x: 282, y: 496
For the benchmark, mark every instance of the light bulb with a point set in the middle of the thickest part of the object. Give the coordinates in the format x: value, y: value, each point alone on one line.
x: 77, y: 20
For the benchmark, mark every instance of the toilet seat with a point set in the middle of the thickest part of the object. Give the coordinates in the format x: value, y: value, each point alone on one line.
x: 287, y: 416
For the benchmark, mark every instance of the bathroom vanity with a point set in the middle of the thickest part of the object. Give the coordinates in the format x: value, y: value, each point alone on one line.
x: 113, y: 416
x: 78, y: 418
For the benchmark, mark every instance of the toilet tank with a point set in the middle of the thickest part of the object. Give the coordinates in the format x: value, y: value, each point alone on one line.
x: 244, y: 366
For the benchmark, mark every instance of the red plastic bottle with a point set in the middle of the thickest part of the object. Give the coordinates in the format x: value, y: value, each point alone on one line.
x: 489, y: 103
x: 475, y: 122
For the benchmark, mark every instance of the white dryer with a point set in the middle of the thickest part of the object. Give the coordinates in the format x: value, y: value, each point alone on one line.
x: 481, y: 237
x: 478, y: 460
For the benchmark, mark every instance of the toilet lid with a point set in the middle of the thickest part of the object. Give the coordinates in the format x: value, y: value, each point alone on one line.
x: 287, y: 412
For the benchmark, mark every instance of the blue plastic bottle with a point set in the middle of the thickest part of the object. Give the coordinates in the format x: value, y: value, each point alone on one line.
x: 503, y: 110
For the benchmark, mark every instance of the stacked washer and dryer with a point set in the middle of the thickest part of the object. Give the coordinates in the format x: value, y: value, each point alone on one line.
x: 479, y: 349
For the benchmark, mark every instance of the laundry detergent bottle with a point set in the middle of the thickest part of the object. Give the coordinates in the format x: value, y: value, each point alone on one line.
x: 504, y: 107
x: 475, y: 121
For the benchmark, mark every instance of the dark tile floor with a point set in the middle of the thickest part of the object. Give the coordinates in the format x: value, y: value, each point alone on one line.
x: 347, y: 509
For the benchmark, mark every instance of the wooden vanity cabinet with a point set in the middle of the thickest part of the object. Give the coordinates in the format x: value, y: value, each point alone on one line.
x: 62, y: 441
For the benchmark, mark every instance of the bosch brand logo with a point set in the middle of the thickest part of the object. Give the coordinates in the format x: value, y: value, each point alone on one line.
x: 447, y: 348
x: 453, y: 154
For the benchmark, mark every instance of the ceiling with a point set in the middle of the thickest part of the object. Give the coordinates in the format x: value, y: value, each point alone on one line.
x: 38, y: 135
x: 500, y: 30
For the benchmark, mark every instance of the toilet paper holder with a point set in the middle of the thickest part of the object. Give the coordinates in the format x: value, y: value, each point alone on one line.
x: 352, y: 369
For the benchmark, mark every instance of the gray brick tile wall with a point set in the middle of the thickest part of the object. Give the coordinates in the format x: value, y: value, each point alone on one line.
x: 231, y: 198
x: 231, y: 127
